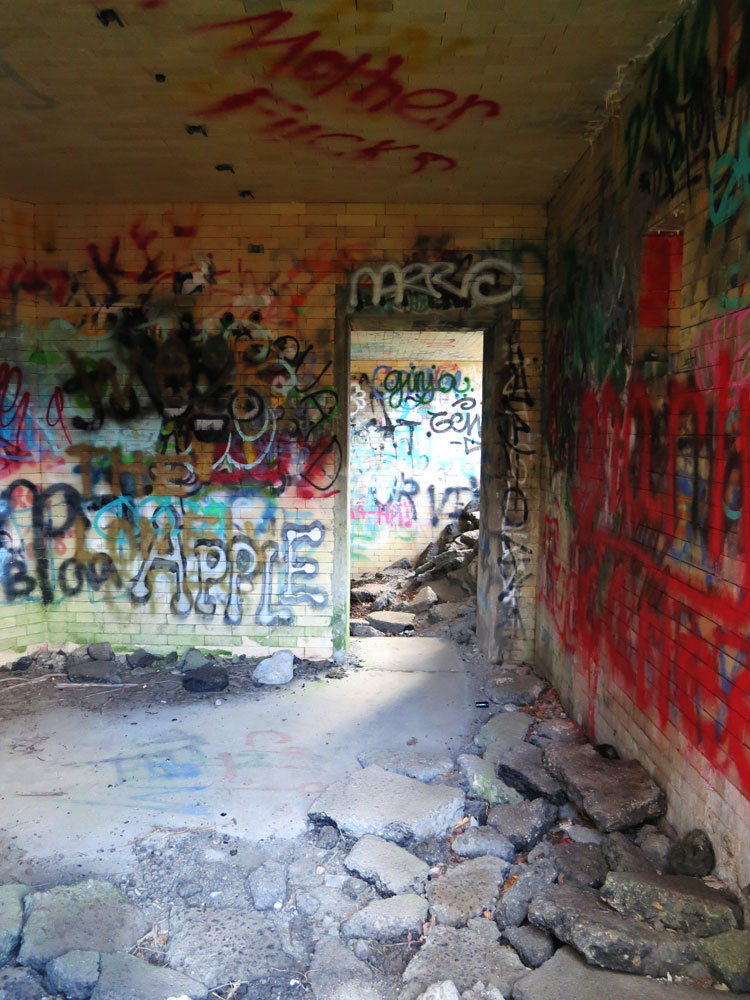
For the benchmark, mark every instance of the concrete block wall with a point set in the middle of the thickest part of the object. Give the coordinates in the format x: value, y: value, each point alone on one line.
x: 180, y: 359
x: 643, y: 612
x: 415, y: 440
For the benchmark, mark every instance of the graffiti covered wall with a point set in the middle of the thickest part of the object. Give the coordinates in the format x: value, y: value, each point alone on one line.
x: 171, y: 421
x: 415, y: 454
x: 643, y: 618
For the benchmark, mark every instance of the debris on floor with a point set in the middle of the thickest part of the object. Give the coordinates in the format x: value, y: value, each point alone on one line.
x: 529, y: 867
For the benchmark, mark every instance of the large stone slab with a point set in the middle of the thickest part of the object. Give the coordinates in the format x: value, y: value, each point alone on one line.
x: 464, y: 957
x: 388, y: 919
x: 479, y: 773
x: 677, y: 901
x: 616, y: 794
x: 466, y: 890
x: 412, y: 763
x: 389, y: 805
x: 125, y: 977
x: 523, y: 823
x: 521, y: 767
x: 501, y: 733
x: 389, y: 867
x: 89, y: 916
x: 567, y: 977
x: 607, y: 938
x: 221, y: 946
x: 391, y: 622
x: 11, y: 919
x: 515, y: 687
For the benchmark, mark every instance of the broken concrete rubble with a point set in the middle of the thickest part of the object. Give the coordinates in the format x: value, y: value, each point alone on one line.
x: 466, y: 890
x: 391, y: 622
x: 391, y: 868
x: 412, y: 763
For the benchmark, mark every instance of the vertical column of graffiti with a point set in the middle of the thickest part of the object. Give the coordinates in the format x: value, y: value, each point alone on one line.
x: 515, y: 439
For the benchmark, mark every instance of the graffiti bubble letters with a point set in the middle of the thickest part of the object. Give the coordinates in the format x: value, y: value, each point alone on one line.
x: 488, y: 281
x: 417, y: 385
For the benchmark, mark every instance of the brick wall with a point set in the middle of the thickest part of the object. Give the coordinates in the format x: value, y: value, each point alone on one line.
x: 646, y: 539
x: 182, y: 485
x: 415, y: 439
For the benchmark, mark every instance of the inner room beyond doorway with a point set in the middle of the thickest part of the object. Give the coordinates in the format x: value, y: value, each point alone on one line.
x: 416, y: 414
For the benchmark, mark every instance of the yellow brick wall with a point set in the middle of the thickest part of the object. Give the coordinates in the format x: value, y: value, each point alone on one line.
x: 645, y: 554
x: 186, y: 387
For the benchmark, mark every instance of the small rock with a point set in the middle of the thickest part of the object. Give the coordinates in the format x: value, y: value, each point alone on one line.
x: 140, y: 659
x: 534, y: 946
x: 390, y: 868
x: 655, y: 846
x: 275, y: 669
x: 583, y: 834
x: 444, y: 612
x: 268, y: 885
x: 361, y: 630
x: 11, y: 919
x: 201, y: 680
x: 21, y: 984
x: 677, y: 901
x: 523, y: 823
x: 622, y: 855
x: 125, y: 977
x: 521, y: 767
x: 423, y: 600
x: 327, y: 837
x: 89, y: 916
x: 441, y: 991
x: 412, y: 763
x: 391, y: 622
x: 692, y: 854
x: 307, y: 904
x: 463, y: 957
x: 501, y: 734
x: 483, y: 841
x: 336, y: 974
x: 525, y: 882
x: 186, y: 890
x: 616, y: 794
x: 558, y: 731
x: 22, y: 663
x: 728, y: 958
x: 429, y: 554
x: 480, y: 775
x: 515, y: 687
x: 607, y: 938
x: 74, y: 974
x: 388, y: 919
x: 389, y: 805
x: 577, y: 864
x: 100, y: 651
x: 466, y: 890
x: 93, y: 671
x: 193, y: 659
x: 433, y: 850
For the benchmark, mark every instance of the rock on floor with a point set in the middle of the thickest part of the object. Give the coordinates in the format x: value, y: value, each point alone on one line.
x: 483, y: 841
x: 89, y: 916
x: 391, y: 622
x: 268, y: 885
x: 728, y: 958
x: 525, y: 882
x: 21, y: 984
x: 336, y: 974
x: 466, y: 890
x: 616, y: 794
x: 622, y: 855
x: 388, y: 919
x: 389, y: 867
x: 501, y: 734
x: 412, y: 763
x: 220, y: 946
x: 124, y: 977
x: 576, y: 864
x: 680, y: 903
x: 515, y: 687
x: 389, y: 805
x: 479, y: 773
x: 606, y: 938
x: 74, y: 974
x: 523, y: 823
x: 534, y: 946
x: 11, y: 919
x: 93, y: 671
x: 464, y: 957
x: 567, y: 977
x: 209, y: 677
x: 275, y: 669
x: 521, y: 767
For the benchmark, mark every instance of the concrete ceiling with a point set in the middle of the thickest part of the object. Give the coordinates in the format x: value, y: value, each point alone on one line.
x: 306, y: 99
x: 416, y: 345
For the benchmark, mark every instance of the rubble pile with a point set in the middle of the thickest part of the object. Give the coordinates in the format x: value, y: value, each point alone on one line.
x: 437, y: 595
x: 533, y: 866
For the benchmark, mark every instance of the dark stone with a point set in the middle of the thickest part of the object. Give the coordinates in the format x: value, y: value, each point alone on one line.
x: 382, y: 603
x: 523, y: 823
x: 728, y: 958
x: 525, y: 882
x: 607, y: 938
x: 100, y: 651
x: 692, y: 854
x: 677, y: 901
x: 534, y: 946
x: 211, y: 677
x: 93, y: 671
x: 22, y: 663
x: 21, y: 984
x: 622, y: 855
x: 482, y: 841
x: 515, y: 687
x: 327, y: 836
x: 558, y: 731
x: 140, y: 659
x: 607, y: 751
x: 434, y: 850
x: 521, y: 767
x: 577, y: 864
x: 616, y: 794
x: 428, y: 555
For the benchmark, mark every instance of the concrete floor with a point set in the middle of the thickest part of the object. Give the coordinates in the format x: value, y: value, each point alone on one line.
x: 77, y: 788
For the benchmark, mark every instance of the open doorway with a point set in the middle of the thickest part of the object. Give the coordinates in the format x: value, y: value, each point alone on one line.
x: 415, y: 456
